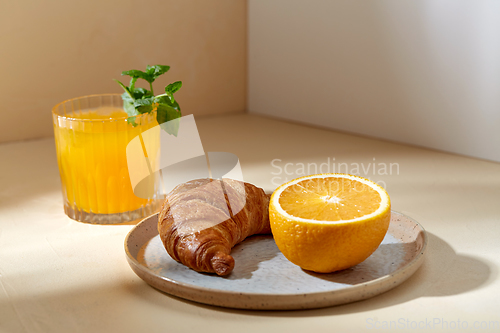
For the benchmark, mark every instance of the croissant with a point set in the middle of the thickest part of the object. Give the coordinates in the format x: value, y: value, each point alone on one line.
x: 202, y: 220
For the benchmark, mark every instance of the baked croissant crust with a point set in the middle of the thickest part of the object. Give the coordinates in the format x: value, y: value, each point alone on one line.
x: 202, y: 220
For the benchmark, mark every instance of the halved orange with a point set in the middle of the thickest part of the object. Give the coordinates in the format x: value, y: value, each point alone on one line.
x: 329, y: 222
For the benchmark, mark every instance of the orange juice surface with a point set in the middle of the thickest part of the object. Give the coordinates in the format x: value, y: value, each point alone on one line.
x: 91, y: 148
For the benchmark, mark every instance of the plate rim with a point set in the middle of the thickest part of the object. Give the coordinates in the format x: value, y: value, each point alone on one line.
x: 417, y: 260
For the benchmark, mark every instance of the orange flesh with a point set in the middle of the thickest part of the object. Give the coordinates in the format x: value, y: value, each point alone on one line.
x: 329, y: 199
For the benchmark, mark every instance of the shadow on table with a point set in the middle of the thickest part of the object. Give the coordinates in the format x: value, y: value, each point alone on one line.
x: 443, y: 273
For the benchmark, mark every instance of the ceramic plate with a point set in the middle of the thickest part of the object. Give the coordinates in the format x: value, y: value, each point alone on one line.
x: 263, y: 279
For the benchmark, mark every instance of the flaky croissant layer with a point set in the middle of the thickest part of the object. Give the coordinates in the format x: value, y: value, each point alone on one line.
x: 202, y: 220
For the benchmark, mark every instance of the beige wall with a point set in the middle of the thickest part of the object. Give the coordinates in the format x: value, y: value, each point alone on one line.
x: 57, y: 49
x: 424, y: 72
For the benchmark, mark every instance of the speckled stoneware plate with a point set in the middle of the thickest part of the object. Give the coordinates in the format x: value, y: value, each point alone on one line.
x: 263, y: 279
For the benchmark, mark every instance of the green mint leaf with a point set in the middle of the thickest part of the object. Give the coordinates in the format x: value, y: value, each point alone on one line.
x: 144, y: 105
x: 144, y: 109
x: 150, y: 70
x: 168, y: 100
x: 168, y: 118
x: 131, y: 85
x: 131, y: 121
x: 173, y: 87
x: 163, y: 99
x: 144, y: 101
x: 176, y: 106
x: 140, y: 93
x: 127, y: 90
x: 130, y: 109
x: 156, y: 70
x: 138, y: 101
x: 128, y: 106
x: 126, y: 98
x: 138, y: 74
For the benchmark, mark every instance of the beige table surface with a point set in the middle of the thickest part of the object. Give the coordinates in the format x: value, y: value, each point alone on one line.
x: 58, y: 275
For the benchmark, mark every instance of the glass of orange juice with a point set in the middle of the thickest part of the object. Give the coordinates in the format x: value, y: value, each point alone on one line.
x: 91, y: 135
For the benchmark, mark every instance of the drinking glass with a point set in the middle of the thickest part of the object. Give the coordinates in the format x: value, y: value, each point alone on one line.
x: 91, y: 136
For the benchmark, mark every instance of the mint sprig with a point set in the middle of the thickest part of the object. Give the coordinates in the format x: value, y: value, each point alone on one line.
x: 138, y: 101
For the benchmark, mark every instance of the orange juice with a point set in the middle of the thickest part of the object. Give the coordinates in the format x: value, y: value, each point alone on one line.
x: 91, y: 148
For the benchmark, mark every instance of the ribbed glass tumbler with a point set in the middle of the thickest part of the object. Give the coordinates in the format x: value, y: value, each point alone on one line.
x: 91, y: 136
